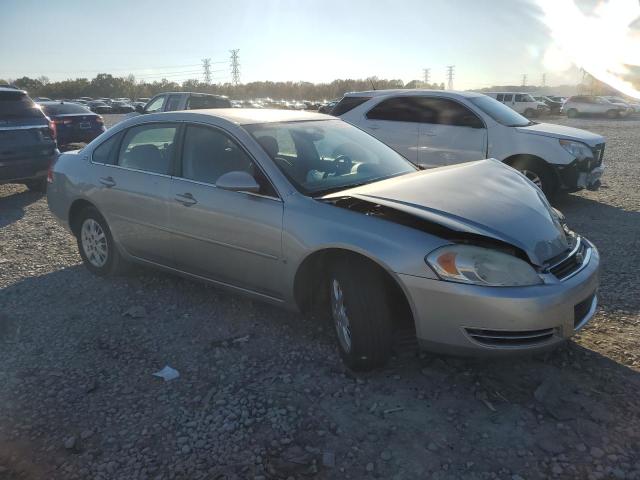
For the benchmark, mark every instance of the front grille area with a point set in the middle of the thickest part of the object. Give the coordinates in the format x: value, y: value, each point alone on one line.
x: 580, y: 310
x: 598, y: 155
x: 509, y: 338
x: 570, y: 264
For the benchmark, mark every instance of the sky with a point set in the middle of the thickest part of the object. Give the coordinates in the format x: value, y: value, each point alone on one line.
x: 492, y: 42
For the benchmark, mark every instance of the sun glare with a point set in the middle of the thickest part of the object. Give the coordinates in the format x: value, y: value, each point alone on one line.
x: 602, y: 43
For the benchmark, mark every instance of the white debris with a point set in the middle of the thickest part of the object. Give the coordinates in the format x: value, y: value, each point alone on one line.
x: 167, y: 373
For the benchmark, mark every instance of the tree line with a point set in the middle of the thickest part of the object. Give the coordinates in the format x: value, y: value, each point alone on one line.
x: 106, y: 85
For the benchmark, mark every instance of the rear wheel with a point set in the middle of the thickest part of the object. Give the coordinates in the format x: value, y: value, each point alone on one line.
x: 572, y: 113
x: 529, y: 112
x: 539, y: 173
x: 95, y: 243
x: 37, y: 185
x: 613, y: 114
x: 361, y: 314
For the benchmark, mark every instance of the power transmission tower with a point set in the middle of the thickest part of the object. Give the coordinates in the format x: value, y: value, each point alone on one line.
x: 524, y: 79
x: 206, y: 70
x: 450, y: 73
x: 544, y: 79
x: 427, y: 74
x: 235, y: 67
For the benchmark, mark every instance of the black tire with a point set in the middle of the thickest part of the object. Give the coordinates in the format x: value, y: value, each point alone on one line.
x: 539, y: 173
x: 572, y: 113
x: 365, y: 300
x: 39, y: 186
x: 613, y: 114
x: 529, y: 112
x: 113, y: 263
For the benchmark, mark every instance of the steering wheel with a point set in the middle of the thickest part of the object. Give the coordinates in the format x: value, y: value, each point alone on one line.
x: 341, y: 164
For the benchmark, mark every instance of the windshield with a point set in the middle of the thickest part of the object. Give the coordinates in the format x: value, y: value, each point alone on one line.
x: 499, y: 111
x: 320, y: 157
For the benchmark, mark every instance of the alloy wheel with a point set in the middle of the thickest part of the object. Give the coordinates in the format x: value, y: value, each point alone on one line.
x: 340, y: 317
x: 94, y: 243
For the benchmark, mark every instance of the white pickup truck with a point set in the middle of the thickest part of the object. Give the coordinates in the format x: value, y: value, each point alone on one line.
x: 434, y: 128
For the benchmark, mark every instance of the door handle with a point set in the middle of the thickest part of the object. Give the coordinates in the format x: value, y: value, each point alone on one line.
x: 108, y: 182
x: 186, y: 199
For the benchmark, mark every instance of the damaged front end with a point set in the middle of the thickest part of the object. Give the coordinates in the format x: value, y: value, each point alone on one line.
x: 583, y: 172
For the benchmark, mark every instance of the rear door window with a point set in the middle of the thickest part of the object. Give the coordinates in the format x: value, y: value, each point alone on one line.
x: 105, y: 153
x: 508, y: 97
x: 18, y: 105
x: 500, y: 97
x: 398, y: 109
x: 148, y: 148
x: 347, y: 104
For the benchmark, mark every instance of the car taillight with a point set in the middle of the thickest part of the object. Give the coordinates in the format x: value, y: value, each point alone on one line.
x: 50, y: 170
x: 63, y: 121
x: 52, y: 130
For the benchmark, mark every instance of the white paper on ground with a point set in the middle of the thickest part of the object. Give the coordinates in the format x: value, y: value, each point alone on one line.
x: 167, y: 373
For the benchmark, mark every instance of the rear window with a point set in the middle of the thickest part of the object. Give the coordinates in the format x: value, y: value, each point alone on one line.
x: 64, y: 108
x: 206, y: 101
x: 18, y: 105
x: 347, y: 104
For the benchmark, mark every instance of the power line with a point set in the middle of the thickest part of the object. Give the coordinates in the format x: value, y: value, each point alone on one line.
x: 450, y: 74
x: 206, y: 70
x: 235, y: 67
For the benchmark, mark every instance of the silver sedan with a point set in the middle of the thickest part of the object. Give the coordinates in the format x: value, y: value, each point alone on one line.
x: 308, y: 212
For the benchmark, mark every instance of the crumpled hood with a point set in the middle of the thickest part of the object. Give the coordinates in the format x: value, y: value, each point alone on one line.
x: 484, y: 198
x: 560, y: 131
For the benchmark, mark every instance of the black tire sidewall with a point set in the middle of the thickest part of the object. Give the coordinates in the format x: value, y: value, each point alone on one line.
x: 572, y: 113
x: 549, y: 185
x: 113, y: 256
x: 367, y: 305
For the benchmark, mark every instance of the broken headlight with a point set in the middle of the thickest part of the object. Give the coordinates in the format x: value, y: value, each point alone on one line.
x: 577, y: 149
x: 481, y: 266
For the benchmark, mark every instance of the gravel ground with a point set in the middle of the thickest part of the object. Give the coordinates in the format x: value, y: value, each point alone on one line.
x: 262, y: 392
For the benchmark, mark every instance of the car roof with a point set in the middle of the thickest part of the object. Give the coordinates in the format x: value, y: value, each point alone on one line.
x: 411, y: 91
x: 12, y: 89
x: 248, y: 116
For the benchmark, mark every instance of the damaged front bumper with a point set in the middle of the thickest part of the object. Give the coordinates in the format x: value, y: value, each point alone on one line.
x: 582, y: 172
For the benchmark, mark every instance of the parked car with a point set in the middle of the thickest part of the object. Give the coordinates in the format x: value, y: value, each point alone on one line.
x: 631, y: 105
x: 74, y: 123
x: 433, y: 128
x: 98, y: 106
x: 554, y: 105
x: 305, y: 211
x: 171, y: 101
x: 119, y: 106
x: 521, y: 102
x: 593, y: 105
x: 27, y: 140
x: 328, y: 107
x: 41, y: 99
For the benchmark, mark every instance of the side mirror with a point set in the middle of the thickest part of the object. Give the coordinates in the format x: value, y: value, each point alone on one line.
x: 238, y: 181
x: 139, y: 109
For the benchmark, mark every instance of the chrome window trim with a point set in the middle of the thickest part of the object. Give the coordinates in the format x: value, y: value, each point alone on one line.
x: 133, y: 169
x: 205, y: 184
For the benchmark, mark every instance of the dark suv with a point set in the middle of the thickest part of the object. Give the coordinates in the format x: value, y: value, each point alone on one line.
x: 27, y: 140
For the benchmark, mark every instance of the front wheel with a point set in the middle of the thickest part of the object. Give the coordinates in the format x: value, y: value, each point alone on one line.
x: 539, y: 174
x: 613, y: 114
x: 361, y: 313
x: 572, y: 113
x: 95, y: 243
